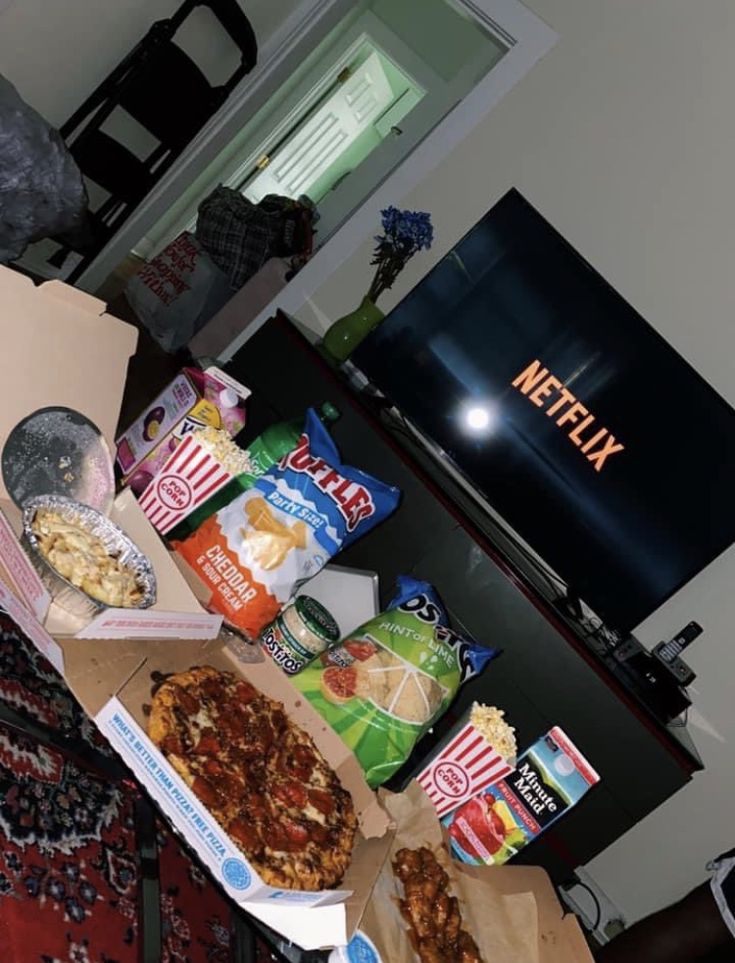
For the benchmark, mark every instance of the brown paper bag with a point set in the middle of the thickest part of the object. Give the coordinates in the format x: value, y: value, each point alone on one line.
x: 511, y: 912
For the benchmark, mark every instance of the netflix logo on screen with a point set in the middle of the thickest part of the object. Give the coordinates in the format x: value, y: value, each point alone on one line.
x: 548, y: 393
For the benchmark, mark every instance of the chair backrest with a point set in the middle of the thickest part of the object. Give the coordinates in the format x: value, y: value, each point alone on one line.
x: 108, y: 163
x: 156, y: 60
x: 166, y: 93
x: 169, y: 95
x: 233, y: 19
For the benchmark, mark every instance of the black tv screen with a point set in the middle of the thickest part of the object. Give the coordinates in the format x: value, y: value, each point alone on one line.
x: 579, y: 424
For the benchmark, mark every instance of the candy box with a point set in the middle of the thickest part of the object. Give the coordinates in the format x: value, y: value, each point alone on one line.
x: 194, y: 399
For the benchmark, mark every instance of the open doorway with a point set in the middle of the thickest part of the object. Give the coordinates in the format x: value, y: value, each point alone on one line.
x: 350, y: 112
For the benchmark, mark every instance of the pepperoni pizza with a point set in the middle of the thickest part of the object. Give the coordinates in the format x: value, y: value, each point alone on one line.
x: 259, y: 774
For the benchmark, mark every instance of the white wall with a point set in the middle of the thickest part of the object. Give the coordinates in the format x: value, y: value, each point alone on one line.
x: 57, y: 51
x: 624, y: 138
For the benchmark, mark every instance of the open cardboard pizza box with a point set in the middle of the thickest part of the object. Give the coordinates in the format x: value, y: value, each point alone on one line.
x: 61, y: 349
x: 112, y: 680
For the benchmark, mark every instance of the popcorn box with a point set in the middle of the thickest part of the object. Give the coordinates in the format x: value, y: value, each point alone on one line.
x: 464, y: 766
x: 190, y: 476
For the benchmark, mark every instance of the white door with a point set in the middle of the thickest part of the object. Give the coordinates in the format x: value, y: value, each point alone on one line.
x: 362, y: 108
x: 322, y: 140
x: 397, y: 132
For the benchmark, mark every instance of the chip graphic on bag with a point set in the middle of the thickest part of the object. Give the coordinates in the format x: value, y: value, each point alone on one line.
x: 257, y: 550
x: 383, y: 687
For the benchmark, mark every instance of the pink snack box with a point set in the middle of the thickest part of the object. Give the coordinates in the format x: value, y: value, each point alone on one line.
x: 194, y: 399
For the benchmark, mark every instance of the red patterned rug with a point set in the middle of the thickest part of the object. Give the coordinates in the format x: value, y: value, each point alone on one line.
x: 69, y: 871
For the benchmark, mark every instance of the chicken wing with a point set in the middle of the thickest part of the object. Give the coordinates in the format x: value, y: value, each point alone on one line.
x: 433, y: 915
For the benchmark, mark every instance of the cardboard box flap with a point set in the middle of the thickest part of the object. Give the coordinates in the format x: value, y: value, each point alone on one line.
x: 97, y: 669
x: 304, y: 926
x: 94, y: 673
x: 60, y: 348
x: 73, y: 296
x: 560, y: 934
x: 16, y: 569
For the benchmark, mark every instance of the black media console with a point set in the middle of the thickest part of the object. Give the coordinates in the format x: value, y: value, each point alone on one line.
x: 552, y: 672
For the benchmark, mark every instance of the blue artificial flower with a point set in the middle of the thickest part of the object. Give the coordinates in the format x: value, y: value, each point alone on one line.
x: 404, y: 233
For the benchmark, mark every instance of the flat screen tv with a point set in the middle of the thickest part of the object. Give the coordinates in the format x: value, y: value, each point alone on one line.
x: 581, y: 426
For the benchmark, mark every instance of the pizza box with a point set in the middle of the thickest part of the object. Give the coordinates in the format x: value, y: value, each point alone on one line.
x: 112, y: 680
x: 61, y: 348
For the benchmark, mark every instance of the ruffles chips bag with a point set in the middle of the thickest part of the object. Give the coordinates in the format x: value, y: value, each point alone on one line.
x: 258, y: 549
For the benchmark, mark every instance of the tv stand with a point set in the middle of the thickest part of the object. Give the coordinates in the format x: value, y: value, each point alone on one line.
x: 552, y: 672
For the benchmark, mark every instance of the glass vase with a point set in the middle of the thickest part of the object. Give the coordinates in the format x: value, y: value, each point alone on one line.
x: 351, y: 330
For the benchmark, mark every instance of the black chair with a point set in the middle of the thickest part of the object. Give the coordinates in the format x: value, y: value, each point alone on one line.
x: 163, y: 90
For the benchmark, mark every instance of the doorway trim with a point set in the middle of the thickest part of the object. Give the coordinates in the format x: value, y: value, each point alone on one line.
x: 527, y: 37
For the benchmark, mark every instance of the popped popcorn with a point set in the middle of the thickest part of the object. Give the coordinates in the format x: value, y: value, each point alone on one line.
x: 490, y: 723
x: 219, y: 444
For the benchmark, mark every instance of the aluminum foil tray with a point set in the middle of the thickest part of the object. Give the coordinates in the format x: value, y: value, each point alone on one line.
x: 72, y: 599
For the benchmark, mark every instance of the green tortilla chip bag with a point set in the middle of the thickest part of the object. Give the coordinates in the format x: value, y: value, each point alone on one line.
x: 385, y: 685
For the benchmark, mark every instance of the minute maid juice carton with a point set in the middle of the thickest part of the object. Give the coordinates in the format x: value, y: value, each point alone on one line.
x: 550, y: 778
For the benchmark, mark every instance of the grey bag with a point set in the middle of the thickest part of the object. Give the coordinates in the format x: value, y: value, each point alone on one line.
x: 177, y: 292
x: 42, y: 193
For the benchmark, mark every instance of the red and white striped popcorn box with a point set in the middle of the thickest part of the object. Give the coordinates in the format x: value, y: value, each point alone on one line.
x: 462, y: 768
x: 190, y: 476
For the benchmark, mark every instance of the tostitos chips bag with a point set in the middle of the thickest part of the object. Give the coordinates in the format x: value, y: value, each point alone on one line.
x: 387, y: 684
x: 256, y: 551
